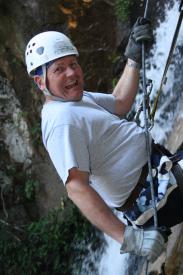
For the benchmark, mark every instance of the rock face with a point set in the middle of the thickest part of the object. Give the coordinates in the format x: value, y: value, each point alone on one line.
x: 99, y: 38
x: 14, y: 129
x: 20, y: 102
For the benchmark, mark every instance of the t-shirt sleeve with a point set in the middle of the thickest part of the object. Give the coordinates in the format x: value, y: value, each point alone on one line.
x: 67, y: 148
x: 107, y: 101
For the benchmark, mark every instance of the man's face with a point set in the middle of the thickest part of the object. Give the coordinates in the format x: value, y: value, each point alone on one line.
x: 65, y: 79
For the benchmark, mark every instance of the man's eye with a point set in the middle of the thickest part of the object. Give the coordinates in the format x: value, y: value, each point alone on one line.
x: 59, y: 70
x: 74, y: 65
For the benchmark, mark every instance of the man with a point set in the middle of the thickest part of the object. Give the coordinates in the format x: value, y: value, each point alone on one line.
x: 99, y: 157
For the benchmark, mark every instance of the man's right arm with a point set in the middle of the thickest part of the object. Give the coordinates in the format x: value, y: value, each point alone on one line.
x: 92, y: 205
x: 148, y: 243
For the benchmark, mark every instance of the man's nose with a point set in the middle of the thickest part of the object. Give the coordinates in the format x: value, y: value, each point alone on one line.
x: 69, y: 71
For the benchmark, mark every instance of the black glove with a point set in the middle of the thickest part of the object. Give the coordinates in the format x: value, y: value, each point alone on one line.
x: 141, y: 32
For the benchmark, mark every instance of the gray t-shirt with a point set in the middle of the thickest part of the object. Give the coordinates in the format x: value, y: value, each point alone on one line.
x: 87, y: 135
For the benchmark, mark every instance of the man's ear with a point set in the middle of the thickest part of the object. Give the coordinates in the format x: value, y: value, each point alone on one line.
x: 39, y: 82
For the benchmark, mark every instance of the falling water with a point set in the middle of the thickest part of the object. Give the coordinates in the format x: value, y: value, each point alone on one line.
x: 112, y: 263
x: 172, y: 90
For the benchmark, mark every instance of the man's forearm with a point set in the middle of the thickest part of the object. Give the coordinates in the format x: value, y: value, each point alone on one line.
x: 95, y: 209
x: 126, y: 88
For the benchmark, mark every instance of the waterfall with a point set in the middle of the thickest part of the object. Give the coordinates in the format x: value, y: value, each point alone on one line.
x: 172, y: 91
x: 112, y: 263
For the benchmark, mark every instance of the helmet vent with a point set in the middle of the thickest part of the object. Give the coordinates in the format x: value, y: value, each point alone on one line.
x: 40, y: 50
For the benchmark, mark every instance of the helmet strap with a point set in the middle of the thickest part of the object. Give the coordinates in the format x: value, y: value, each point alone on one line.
x: 46, y: 91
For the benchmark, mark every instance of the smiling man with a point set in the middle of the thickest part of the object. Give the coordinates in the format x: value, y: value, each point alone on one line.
x: 100, y: 158
x: 64, y: 79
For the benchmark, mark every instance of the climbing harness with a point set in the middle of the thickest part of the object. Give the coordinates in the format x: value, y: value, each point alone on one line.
x: 136, y: 118
x: 148, y: 116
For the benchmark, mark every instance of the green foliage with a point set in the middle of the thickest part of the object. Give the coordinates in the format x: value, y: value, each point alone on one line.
x: 52, y: 245
x: 30, y: 186
x: 17, y: 183
x: 122, y: 8
x: 36, y: 133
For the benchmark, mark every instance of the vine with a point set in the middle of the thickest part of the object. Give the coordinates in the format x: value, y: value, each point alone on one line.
x: 122, y: 8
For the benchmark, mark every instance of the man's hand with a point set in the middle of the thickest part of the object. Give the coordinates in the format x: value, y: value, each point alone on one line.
x: 141, y: 32
x: 147, y: 243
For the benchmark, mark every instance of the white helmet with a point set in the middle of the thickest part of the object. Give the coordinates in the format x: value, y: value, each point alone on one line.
x: 45, y: 47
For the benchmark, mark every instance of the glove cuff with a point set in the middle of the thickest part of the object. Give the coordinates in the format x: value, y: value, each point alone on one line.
x: 132, y: 240
x: 134, y: 54
x: 133, y: 64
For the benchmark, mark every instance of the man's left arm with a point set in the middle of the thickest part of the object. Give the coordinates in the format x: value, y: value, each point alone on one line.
x: 126, y: 88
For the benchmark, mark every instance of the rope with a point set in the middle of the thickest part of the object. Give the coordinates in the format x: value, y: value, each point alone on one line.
x: 146, y: 126
x: 147, y: 136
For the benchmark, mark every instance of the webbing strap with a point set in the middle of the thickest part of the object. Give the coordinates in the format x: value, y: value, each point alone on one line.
x: 178, y: 174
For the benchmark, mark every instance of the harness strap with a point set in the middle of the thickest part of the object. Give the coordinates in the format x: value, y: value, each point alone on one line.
x: 178, y: 174
x: 136, y: 191
x: 176, y: 169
